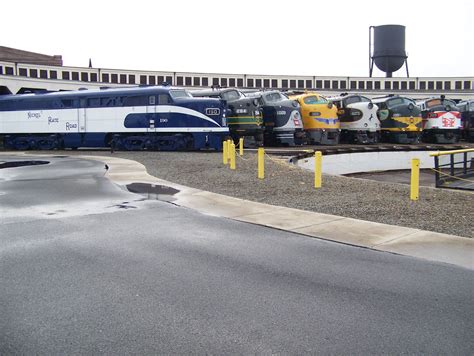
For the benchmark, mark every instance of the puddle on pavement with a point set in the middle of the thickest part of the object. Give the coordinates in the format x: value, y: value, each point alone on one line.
x: 153, y: 191
x: 15, y: 164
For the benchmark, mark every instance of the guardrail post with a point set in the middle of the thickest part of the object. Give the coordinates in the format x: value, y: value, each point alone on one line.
x: 229, y: 143
x: 452, y: 164
x: 224, y: 151
x: 261, y: 163
x: 232, y: 156
x: 437, y: 168
x: 241, y: 146
x: 464, y: 166
x: 415, y: 179
x: 317, y: 169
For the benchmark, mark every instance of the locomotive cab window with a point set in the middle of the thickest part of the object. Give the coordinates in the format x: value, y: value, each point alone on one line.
x: 107, y: 101
x: 313, y: 99
x: 175, y: 94
x: 231, y: 95
x: 395, y: 101
x: 351, y: 100
x: 93, y: 102
x: 163, y: 99
x: 273, y: 97
x: 67, y: 103
x: 139, y: 100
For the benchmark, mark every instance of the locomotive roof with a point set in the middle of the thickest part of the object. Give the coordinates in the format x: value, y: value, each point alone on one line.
x: 262, y: 92
x: 93, y: 92
x: 342, y: 97
x: 442, y: 98
x: 383, y: 99
x: 210, y: 92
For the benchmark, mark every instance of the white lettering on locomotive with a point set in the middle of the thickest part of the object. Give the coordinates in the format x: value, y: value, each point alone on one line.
x: 35, y: 115
x: 70, y: 126
x: 52, y: 120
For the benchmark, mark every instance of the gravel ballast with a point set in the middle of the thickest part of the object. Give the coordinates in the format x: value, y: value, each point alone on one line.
x: 439, y: 210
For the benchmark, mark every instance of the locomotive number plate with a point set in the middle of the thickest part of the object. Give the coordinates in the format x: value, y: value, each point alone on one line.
x: 213, y: 111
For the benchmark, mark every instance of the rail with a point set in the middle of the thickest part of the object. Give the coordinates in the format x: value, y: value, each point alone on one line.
x: 454, y: 174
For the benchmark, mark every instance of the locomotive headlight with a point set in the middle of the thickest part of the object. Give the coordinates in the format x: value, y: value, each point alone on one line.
x: 315, y: 113
x: 257, y: 112
x: 330, y: 105
x: 370, y: 106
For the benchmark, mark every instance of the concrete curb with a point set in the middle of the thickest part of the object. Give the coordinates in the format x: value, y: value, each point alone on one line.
x: 389, y: 238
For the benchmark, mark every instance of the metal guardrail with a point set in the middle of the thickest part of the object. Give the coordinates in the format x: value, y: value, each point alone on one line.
x: 456, y: 174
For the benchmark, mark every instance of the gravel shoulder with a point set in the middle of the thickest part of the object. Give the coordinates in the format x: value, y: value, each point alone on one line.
x: 444, y: 211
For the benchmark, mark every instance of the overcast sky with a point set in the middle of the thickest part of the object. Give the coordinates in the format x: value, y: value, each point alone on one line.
x: 306, y: 37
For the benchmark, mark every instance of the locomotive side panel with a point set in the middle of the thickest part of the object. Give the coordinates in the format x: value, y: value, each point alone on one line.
x: 103, y: 118
x: 441, y: 120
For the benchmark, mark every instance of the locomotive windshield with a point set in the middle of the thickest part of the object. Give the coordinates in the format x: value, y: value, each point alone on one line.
x: 398, y: 101
x: 352, y: 100
x: 180, y: 93
x: 355, y: 99
x: 274, y: 97
x: 231, y: 95
x: 313, y: 99
x: 438, y: 102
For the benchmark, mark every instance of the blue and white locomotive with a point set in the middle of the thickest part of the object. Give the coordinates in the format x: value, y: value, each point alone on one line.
x: 135, y: 118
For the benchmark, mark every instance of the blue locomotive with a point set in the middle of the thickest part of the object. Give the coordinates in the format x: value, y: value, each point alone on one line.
x: 135, y: 118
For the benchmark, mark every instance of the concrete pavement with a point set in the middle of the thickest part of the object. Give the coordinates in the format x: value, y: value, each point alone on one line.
x: 395, y: 239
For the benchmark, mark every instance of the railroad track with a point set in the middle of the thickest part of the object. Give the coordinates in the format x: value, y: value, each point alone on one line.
x: 308, y: 150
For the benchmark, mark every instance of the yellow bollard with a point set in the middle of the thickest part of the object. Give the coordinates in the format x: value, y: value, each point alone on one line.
x: 241, y: 146
x: 415, y: 179
x: 318, y: 160
x: 224, y: 152
x: 232, y: 156
x: 229, y: 143
x: 261, y: 163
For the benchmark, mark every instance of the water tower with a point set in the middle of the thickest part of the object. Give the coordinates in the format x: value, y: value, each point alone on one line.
x: 388, y: 49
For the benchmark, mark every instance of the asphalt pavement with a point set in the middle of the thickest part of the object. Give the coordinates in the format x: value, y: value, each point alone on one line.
x: 130, y: 273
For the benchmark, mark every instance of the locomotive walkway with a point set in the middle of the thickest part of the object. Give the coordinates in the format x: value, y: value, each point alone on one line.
x: 389, y: 238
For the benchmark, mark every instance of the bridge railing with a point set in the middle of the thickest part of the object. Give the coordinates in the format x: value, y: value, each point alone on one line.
x: 454, y: 169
